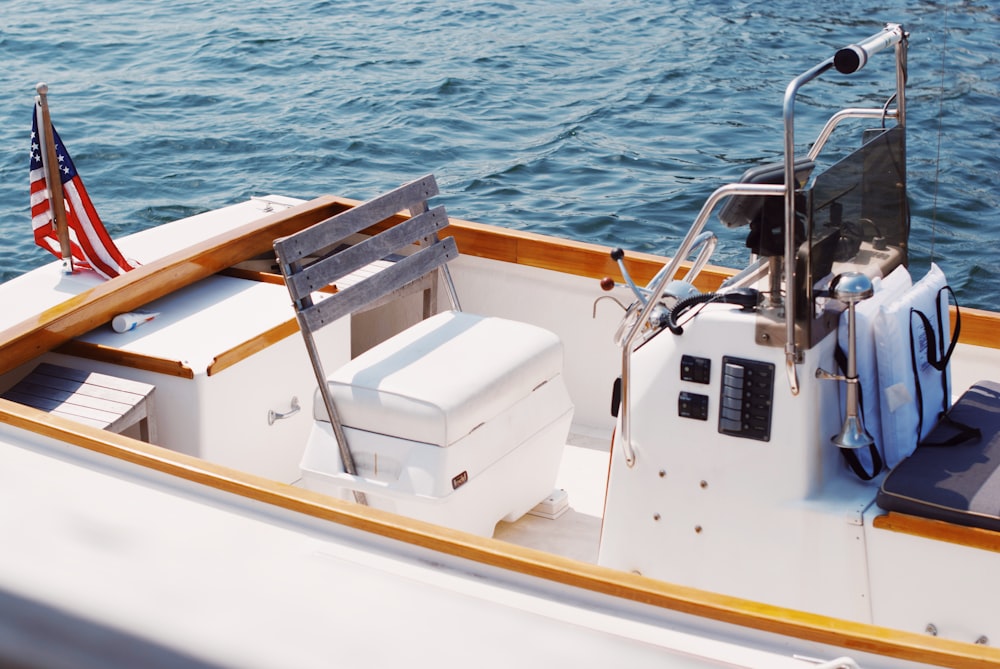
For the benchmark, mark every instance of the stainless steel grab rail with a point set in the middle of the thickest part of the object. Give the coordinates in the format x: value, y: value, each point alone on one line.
x: 665, y: 277
x: 847, y: 60
x: 855, y: 55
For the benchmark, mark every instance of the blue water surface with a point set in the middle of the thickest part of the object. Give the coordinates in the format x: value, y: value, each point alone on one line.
x: 604, y: 121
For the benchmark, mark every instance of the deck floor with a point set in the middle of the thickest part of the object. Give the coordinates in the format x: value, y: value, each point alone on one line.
x: 576, y: 534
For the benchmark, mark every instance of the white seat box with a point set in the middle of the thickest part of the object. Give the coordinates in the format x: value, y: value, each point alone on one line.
x: 459, y: 420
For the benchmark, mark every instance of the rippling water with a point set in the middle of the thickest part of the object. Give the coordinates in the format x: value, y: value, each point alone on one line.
x: 598, y: 120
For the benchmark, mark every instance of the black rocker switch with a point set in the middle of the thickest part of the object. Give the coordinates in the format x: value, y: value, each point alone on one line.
x: 694, y: 369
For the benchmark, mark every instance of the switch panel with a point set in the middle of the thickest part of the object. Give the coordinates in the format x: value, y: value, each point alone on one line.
x: 746, y: 397
x: 696, y: 370
x: 692, y: 405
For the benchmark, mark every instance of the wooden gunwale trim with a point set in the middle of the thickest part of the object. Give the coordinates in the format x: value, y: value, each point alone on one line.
x: 937, y: 530
x: 562, y: 255
x: 92, y: 351
x: 567, y: 256
x: 529, y: 562
x: 253, y: 275
x: 256, y: 344
x: 96, y: 306
x: 265, y: 277
x: 979, y: 327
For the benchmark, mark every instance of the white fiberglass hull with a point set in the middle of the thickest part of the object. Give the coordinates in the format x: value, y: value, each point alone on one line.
x: 176, y: 554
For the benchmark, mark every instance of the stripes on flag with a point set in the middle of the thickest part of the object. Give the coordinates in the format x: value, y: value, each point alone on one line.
x: 90, y: 244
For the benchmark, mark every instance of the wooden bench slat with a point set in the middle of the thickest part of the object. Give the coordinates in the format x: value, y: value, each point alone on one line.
x: 103, y: 389
x: 93, y: 415
x: 100, y: 400
x: 35, y: 395
x: 99, y: 423
x: 93, y: 378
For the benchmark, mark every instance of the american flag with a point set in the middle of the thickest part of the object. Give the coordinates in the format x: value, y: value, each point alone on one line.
x: 91, y: 245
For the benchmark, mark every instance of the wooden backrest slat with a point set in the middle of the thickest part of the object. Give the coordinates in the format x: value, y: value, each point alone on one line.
x: 394, y: 277
x: 314, y: 258
x: 330, y: 232
x: 328, y: 270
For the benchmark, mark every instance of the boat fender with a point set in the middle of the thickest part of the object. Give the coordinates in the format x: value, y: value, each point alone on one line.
x: 747, y: 298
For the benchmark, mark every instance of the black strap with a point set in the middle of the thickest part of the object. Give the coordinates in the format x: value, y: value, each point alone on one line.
x: 946, y: 356
x: 937, y: 356
x: 931, y: 353
x: 964, y: 433
x: 855, y: 464
x: 850, y: 454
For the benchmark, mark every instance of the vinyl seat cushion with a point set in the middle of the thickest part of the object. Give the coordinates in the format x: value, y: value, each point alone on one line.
x: 957, y: 483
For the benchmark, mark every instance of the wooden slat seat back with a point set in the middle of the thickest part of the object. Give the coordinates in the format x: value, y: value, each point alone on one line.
x: 323, y: 254
x: 320, y: 255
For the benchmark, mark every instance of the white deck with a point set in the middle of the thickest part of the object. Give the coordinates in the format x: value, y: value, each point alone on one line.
x: 583, y: 475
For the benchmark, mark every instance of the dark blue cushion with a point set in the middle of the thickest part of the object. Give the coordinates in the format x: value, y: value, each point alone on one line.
x: 955, y: 482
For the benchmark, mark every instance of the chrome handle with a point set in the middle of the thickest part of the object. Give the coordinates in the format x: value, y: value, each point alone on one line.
x: 273, y: 415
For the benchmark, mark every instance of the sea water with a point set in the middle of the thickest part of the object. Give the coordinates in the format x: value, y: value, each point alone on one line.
x: 599, y: 120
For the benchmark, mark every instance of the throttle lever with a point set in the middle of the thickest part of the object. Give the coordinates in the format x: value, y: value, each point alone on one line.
x: 618, y: 255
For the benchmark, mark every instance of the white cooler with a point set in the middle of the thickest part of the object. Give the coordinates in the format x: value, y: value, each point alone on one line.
x: 460, y: 420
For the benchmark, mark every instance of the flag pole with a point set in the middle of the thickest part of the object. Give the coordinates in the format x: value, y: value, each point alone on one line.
x: 54, y: 179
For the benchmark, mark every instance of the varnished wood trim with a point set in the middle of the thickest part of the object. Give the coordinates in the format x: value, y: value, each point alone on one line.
x: 96, y: 306
x: 266, y: 277
x: 562, y: 255
x: 253, y: 275
x: 567, y: 256
x: 255, y: 345
x: 840, y: 633
x: 91, y: 351
x: 938, y: 530
x: 979, y: 327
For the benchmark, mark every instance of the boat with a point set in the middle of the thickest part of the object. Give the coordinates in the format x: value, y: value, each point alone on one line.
x: 304, y: 433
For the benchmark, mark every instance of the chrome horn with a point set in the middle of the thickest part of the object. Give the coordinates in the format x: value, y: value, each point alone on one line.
x: 850, y: 288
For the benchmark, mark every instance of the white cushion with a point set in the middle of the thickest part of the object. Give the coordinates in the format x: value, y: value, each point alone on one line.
x: 443, y: 377
x: 900, y: 411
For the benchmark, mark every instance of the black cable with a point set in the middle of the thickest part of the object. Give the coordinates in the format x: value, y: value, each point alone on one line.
x: 744, y: 297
